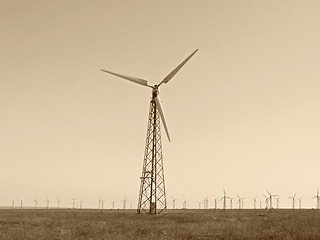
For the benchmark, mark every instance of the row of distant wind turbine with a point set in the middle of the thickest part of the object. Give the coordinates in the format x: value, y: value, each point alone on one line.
x: 240, y: 201
x: 124, y: 205
x: 76, y: 203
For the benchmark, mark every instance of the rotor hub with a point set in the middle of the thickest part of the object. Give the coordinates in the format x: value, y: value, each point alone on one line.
x: 155, y: 91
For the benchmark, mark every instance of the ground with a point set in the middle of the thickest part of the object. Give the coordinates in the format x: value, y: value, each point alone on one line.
x: 177, y: 224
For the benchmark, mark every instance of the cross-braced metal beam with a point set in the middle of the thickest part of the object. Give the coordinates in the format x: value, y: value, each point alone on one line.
x: 152, y: 195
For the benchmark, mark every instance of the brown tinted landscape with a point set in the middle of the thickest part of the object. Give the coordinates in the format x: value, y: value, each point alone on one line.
x: 178, y: 224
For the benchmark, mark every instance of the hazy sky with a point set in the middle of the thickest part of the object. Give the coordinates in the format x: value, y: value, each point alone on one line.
x: 243, y: 113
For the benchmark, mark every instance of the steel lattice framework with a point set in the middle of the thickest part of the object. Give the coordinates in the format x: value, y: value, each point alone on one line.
x: 152, y: 195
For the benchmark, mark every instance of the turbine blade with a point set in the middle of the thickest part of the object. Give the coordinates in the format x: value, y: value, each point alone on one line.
x: 159, y: 106
x: 132, y: 79
x: 174, y: 72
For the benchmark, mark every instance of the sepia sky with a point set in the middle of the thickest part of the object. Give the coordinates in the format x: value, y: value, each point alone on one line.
x: 243, y: 113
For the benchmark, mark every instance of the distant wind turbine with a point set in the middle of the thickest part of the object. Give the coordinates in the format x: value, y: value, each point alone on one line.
x: 48, y: 202
x: 278, y: 200
x: 270, y: 198
x: 240, y: 201
x: 36, y: 203
x: 254, y: 203
x: 21, y: 203
x: 293, y: 201
x: 267, y: 201
x: 124, y: 202
x: 317, y: 198
x: 224, y: 198
x: 102, y: 204
x: 206, y: 203
x: 73, y: 202
x: 300, y: 199
x: 174, y: 202
x: 230, y: 201
x: 58, y: 202
x: 184, y: 205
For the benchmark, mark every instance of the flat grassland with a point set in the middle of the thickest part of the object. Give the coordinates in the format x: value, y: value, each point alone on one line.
x: 177, y: 224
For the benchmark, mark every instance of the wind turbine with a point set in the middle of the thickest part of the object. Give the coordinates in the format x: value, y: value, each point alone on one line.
x: 240, y: 201
x: 254, y: 203
x: 174, y: 202
x: 215, y: 204
x: 99, y: 203
x: 184, y: 204
x: 58, y: 202
x: 199, y: 205
x: 278, y: 200
x: 293, y: 201
x: 206, y: 203
x: 73, y: 202
x: 21, y: 203
x: 224, y: 198
x: 13, y: 203
x: 102, y: 203
x: 230, y: 201
x: 152, y: 195
x: 36, y: 203
x: 318, y: 199
x: 124, y: 202
x: 267, y: 201
x: 48, y: 202
x: 300, y: 199
x: 270, y: 197
x: 112, y: 204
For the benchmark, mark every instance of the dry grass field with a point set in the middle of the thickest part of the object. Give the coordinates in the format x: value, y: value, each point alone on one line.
x: 178, y: 224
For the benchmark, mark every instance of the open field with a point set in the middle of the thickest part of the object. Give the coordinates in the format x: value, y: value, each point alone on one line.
x: 178, y: 224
